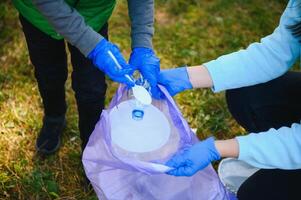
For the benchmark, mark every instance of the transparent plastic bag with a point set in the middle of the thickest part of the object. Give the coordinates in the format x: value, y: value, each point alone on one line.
x: 233, y: 173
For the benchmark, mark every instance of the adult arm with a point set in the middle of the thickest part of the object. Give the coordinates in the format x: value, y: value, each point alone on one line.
x: 69, y: 23
x: 272, y: 149
x: 260, y: 62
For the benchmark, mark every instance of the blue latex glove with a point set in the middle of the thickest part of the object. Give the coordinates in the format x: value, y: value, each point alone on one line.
x: 193, y: 159
x: 175, y: 80
x: 102, y: 60
x: 145, y: 60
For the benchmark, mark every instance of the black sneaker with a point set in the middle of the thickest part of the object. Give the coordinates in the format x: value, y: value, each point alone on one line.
x: 49, y: 139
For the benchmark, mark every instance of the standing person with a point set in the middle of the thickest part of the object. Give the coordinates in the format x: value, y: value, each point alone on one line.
x: 265, y: 99
x: 83, y: 24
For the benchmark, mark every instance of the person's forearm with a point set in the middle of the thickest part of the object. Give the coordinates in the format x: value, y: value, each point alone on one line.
x: 227, y: 148
x: 142, y: 22
x: 274, y: 148
x: 69, y: 24
x: 199, y: 77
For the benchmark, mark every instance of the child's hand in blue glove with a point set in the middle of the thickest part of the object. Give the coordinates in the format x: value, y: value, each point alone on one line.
x: 102, y: 60
x: 193, y: 159
x: 145, y: 60
x: 175, y: 80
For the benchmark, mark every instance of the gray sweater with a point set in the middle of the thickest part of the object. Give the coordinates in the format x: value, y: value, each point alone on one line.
x: 71, y: 25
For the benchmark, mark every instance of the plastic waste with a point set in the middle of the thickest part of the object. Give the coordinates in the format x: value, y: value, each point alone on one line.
x: 233, y: 173
x: 139, y: 92
x: 126, y: 170
x: 142, y: 95
x: 140, y: 136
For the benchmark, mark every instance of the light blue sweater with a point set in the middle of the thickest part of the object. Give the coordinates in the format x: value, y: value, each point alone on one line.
x: 259, y: 63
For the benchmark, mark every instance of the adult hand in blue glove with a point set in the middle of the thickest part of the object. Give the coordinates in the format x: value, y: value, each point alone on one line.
x: 145, y: 60
x: 102, y: 60
x: 193, y: 159
x: 175, y: 80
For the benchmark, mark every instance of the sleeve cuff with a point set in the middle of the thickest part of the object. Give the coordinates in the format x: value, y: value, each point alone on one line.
x: 142, y: 40
x: 89, y: 41
x: 216, y: 76
x: 244, y: 147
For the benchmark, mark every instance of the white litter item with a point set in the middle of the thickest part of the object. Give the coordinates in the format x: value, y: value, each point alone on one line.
x: 157, y: 166
x: 142, y: 95
x: 234, y: 172
x: 139, y: 92
x: 161, y: 168
x: 139, y: 136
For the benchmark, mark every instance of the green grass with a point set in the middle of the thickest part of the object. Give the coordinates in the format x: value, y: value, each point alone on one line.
x: 187, y: 32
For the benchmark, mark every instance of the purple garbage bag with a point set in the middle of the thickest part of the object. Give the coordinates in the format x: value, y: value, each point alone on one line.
x: 116, y: 176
